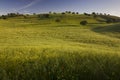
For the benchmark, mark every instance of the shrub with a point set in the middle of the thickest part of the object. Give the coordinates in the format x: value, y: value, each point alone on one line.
x: 62, y: 13
x: 57, y: 20
x: 83, y: 22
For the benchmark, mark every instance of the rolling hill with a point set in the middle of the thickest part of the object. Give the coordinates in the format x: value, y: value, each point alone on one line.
x: 57, y: 47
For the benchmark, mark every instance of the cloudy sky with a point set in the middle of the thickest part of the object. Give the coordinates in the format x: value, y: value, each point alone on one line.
x: 39, y: 6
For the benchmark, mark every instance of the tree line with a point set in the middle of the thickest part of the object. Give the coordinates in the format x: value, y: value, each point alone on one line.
x: 108, y: 18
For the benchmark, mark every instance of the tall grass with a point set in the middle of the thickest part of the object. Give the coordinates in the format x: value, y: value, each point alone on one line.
x: 35, y: 49
x: 30, y: 63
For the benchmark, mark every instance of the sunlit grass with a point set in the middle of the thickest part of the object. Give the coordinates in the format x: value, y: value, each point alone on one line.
x: 33, y: 49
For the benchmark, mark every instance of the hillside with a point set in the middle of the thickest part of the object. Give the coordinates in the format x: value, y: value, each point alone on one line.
x: 57, y: 47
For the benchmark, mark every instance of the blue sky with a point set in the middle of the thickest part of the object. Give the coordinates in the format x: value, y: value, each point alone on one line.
x: 39, y: 6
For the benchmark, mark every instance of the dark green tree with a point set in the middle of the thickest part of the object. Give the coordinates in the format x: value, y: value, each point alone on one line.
x: 77, y: 12
x: 3, y: 17
x: 73, y: 12
x: 84, y: 22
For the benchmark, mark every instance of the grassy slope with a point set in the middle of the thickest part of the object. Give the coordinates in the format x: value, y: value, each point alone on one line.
x: 36, y: 49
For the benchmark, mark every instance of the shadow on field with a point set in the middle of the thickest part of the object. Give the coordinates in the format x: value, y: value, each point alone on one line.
x: 66, y: 25
x: 111, y: 30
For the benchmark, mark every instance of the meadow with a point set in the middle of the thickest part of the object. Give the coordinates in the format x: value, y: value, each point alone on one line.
x: 33, y: 48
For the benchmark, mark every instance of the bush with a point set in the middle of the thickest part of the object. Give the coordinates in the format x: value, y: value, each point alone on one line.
x: 62, y: 13
x: 83, y: 22
x: 57, y: 20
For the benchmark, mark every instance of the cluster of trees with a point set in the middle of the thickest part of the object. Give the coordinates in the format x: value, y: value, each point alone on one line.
x: 111, y: 19
x: 108, y: 18
x: 66, y: 12
x: 3, y: 17
x: 69, y: 12
x: 14, y: 14
x: 96, y: 14
x: 23, y: 15
x: 10, y: 15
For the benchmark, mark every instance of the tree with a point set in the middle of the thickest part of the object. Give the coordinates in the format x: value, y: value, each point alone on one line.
x: 34, y: 13
x: 83, y: 22
x: 50, y: 12
x: 3, y: 17
x: 86, y: 14
x: 101, y: 14
x: 77, y: 12
x: 62, y: 13
x: 54, y: 13
x: 66, y: 11
x: 105, y: 14
x: 12, y: 14
x: 69, y: 12
x: 18, y: 14
x: 73, y: 12
x: 108, y: 14
x: 93, y: 13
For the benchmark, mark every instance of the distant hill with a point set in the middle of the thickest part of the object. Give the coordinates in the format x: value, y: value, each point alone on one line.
x: 65, y: 17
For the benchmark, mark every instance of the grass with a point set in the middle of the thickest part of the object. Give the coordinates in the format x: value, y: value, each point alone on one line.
x: 42, y: 49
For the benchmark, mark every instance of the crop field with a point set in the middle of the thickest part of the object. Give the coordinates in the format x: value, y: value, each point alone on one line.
x: 32, y: 48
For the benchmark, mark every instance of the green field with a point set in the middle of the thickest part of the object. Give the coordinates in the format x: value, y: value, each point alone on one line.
x: 35, y: 48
